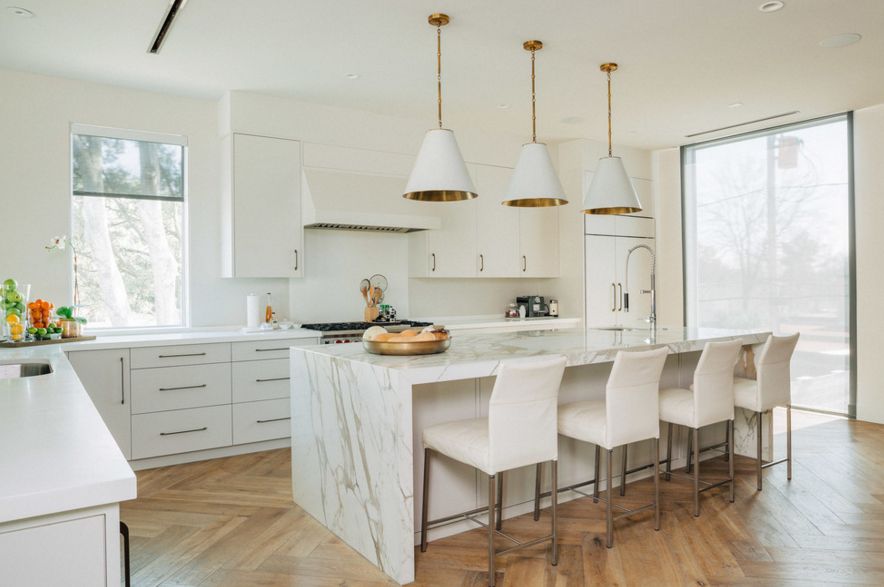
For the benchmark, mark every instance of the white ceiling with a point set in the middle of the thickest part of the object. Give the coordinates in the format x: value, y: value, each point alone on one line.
x: 682, y: 62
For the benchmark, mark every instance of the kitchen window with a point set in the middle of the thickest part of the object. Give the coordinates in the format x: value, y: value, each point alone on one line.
x: 768, y: 241
x: 128, y: 227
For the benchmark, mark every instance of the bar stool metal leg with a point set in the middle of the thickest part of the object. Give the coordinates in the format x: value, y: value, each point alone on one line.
x: 537, y: 475
x: 610, y: 505
x: 656, y: 452
x: 789, y: 442
x: 554, y: 474
x: 491, y: 510
x: 500, y: 500
x: 669, y: 433
x: 598, y: 472
x: 696, y: 436
x: 623, y: 470
x: 690, y: 453
x: 425, y: 505
x: 758, y: 463
x: 730, y: 456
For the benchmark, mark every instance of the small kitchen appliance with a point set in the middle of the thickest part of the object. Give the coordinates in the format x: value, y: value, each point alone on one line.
x: 535, y: 306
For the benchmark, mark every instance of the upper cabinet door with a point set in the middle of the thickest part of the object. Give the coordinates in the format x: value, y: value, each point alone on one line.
x: 497, y: 227
x: 539, y: 242
x: 451, y: 250
x: 265, y: 207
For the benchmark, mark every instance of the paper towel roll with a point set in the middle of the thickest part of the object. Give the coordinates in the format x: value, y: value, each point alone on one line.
x: 253, y: 311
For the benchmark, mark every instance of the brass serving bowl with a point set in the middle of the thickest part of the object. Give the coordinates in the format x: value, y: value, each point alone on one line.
x: 428, y: 347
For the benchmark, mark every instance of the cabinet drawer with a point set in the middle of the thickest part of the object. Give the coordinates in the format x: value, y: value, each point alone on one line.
x: 260, y: 380
x: 185, y: 354
x: 165, y: 433
x: 265, y: 420
x: 267, y: 349
x: 634, y: 226
x: 174, y: 388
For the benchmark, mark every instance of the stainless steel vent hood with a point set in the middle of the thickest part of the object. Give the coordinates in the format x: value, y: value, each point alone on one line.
x: 346, y: 200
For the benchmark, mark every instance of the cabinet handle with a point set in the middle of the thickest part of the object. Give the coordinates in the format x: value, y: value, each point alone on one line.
x: 297, y: 260
x: 620, y: 296
x: 183, y: 387
x: 272, y: 379
x: 613, y: 297
x: 181, y: 355
x: 524, y: 263
x: 122, y: 382
x: 284, y: 348
x: 184, y: 431
x: 433, y: 255
x: 273, y: 420
x: 481, y: 262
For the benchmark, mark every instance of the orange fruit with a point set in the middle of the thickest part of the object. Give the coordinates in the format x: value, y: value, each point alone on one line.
x: 13, y: 319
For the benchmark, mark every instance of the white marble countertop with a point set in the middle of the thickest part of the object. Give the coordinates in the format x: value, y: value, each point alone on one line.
x: 57, y: 453
x: 195, y: 336
x: 478, y: 355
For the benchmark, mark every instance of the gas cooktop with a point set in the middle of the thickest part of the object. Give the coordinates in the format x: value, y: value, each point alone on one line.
x: 359, y: 326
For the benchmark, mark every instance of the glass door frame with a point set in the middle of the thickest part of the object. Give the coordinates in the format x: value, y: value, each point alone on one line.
x: 851, y: 219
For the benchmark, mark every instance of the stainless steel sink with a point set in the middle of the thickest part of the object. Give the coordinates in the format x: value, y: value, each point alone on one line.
x: 18, y: 370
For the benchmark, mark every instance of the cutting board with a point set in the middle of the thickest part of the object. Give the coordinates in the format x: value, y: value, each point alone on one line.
x: 14, y: 345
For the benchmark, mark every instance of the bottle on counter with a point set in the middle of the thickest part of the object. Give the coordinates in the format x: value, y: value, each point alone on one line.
x: 268, y: 311
x: 511, y: 311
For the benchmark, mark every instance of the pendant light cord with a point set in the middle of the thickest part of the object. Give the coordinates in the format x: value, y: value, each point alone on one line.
x: 533, y: 102
x: 439, y: 73
x: 610, y: 132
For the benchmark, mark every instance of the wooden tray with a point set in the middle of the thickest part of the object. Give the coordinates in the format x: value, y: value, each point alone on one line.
x: 427, y: 347
x: 14, y: 345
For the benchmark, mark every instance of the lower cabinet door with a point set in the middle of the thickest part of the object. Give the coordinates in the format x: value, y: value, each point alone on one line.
x: 165, y: 433
x: 263, y: 420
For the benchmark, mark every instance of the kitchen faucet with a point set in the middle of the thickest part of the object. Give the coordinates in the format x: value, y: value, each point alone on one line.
x: 652, y: 319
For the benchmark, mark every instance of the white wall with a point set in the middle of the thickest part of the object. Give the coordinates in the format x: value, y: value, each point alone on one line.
x: 666, y: 166
x: 868, y: 145
x: 35, y: 116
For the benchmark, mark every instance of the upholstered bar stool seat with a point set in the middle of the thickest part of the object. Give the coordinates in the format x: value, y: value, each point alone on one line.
x: 520, y: 430
x: 772, y: 389
x: 584, y: 421
x: 708, y: 401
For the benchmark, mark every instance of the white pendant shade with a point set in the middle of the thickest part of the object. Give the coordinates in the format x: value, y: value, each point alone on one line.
x: 611, y: 190
x: 534, y: 182
x: 439, y: 173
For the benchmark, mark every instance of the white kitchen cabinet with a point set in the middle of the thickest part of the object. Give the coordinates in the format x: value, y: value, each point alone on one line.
x: 606, y: 281
x: 177, y: 431
x: 539, y: 242
x: 263, y: 232
x: 105, y: 376
x: 176, y: 388
x: 451, y: 250
x: 497, y: 227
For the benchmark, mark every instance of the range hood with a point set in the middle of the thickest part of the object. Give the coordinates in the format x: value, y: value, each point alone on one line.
x: 346, y: 200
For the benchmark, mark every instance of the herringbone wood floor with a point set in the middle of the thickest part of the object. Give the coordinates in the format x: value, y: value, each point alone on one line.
x: 231, y: 522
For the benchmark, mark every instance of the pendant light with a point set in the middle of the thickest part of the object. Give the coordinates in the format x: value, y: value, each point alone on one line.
x: 534, y: 183
x: 439, y: 173
x: 611, y: 190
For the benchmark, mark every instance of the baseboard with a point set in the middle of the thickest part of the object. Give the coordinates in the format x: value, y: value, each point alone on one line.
x: 212, y: 453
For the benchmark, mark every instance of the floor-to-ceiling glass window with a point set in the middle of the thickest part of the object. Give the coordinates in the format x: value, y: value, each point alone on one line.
x: 767, y: 223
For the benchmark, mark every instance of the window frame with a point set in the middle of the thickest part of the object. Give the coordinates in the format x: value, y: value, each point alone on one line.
x: 851, y: 231
x: 151, y: 137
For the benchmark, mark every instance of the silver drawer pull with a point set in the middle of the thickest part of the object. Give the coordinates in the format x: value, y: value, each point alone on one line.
x: 273, y: 420
x: 181, y: 355
x: 272, y: 379
x: 183, y: 387
x: 184, y: 431
x: 285, y: 348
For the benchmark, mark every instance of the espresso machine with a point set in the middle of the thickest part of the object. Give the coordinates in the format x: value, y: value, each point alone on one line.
x: 535, y: 306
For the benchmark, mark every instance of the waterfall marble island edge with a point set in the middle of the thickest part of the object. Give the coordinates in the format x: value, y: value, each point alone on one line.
x: 357, y: 420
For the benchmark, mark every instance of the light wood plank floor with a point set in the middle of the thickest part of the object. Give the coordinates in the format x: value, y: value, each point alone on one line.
x: 231, y: 522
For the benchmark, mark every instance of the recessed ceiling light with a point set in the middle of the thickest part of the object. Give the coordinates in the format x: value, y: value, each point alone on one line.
x: 842, y: 40
x: 772, y: 6
x: 502, y: 106
x: 352, y: 76
x: 20, y: 12
x: 735, y: 105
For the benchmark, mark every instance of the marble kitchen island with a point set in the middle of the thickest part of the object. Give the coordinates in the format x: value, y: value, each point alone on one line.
x: 357, y: 420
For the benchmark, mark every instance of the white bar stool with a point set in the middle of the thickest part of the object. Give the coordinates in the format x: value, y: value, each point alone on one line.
x: 772, y: 389
x: 520, y: 430
x: 708, y: 401
x: 629, y: 413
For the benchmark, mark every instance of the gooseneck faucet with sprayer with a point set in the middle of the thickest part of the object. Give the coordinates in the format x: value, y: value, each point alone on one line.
x: 652, y: 318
